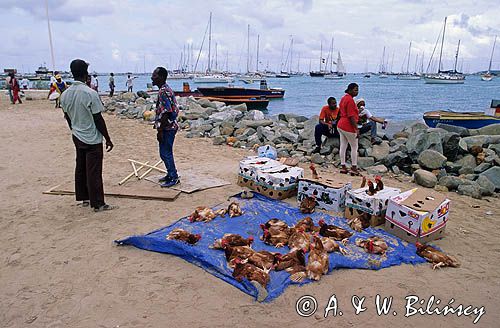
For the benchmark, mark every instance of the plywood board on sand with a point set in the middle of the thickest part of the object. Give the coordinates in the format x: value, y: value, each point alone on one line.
x: 137, y: 192
x: 192, y: 181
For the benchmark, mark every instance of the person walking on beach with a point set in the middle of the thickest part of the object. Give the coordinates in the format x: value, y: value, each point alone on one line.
x: 53, y: 77
x: 166, y: 125
x: 368, y: 122
x: 24, y: 83
x: 9, y: 88
x: 130, y: 83
x: 111, y: 84
x: 94, y: 84
x: 59, y: 86
x: 14, y: 85
x: 327, y: 125
x: 82, y: 110
x: 348, y: 128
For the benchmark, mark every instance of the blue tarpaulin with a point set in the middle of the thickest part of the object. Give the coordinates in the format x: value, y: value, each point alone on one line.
x: 256, y: 211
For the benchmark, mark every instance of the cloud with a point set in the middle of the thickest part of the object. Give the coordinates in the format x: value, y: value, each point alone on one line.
x: 62, y: 10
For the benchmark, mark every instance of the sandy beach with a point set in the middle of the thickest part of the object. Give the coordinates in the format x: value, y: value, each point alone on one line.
x: 60, y: 267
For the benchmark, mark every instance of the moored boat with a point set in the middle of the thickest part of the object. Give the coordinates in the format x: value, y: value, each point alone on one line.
x: 240, y: 92
x: 259, y: 103
x: 469, y: 120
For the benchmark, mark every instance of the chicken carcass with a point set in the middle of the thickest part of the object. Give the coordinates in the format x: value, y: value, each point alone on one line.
x: 332, y: 231
x: 360, y: 222
x: 315, y: 175
x: 318, y: 262
x: 232, y: 239
x: 202, y: 213
x: 437, y: 258
x: 371, y: 189
x: 298, y: 239
x: 380, y: 184
x: 183, y: 235
x: 306, y: 223
x: 291, y: 262
x: 234, y: 210
x: 263, y: 259
x: 307, y: 205
x: 331, y: 246
x: 276, y: 232
x: 232, y: 252
x: 258, y: 277
x: 221, y: 212
x: 373, y: 245
x: 278, y: 239
x: 274, y: 225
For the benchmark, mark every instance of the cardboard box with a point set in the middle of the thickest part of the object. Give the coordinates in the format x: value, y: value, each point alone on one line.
x: 374, y: 205
x: 267, y: 190
x: 330, y: 195
x: 417, y: 215
x: 250, y: 165
x: 375, y: 220
x: 279, y: 177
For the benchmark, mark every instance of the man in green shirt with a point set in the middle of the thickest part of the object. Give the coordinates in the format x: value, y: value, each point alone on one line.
x: 82, y: 109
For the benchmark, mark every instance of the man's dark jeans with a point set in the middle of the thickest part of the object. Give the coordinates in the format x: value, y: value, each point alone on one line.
x: 322, y: 130
x: 369, y: 126
x: 88, y: 173
x: 167, y: 153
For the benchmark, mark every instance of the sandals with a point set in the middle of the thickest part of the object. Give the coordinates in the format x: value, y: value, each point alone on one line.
x: 85, y: 203
x: 105, y: 207
x: 344, y: 170
x: 355, y: 172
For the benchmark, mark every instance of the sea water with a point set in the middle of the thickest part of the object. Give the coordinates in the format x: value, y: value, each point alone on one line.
x: 395, y: 100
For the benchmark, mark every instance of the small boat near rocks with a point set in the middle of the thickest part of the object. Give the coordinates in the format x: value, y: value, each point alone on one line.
x: 469, y: 120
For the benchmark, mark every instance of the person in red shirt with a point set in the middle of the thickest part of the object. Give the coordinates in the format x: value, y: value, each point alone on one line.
x: 327, y: 125
x: 348, y: 128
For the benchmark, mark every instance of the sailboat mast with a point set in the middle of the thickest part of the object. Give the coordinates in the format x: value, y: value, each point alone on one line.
x: 456, y: 57
x: 442, y: 42
x: 492, y: 51
x: 408, y: 65
x: 320, y: 55
x: 382, y: 64
x: 216, y: 63
x: 248, y: 49
x: 209, y: 40
x: 291, y: 53
x: 257, y: 63
x: 50, y: 36
x: 281, y: 59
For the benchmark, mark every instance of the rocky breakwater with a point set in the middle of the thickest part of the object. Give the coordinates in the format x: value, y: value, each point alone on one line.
x: 446, y: 158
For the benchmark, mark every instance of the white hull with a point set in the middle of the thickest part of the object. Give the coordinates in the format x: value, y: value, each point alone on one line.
x: 334, y: 77
x: 383, y: 76
x: 444, y: 80
x: 213, y: 79
x: 408, y: 77
x: 486, y: 77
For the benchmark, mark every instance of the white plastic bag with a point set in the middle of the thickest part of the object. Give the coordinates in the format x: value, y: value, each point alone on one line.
x: 267, y: 151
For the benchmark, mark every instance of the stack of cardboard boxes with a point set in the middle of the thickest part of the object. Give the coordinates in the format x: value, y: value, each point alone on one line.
x: 269, y: 177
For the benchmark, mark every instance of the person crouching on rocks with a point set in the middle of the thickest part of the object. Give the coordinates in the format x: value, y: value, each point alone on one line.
x: 166, y: 125
x: 327, y: 125
x: 368, y: 122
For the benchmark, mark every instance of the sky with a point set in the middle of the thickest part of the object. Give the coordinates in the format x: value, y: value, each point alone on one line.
x: 137, y: 36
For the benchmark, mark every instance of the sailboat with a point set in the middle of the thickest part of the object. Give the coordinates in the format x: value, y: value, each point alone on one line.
x: 408, y: 75
x: 445, y: 77
x: 340, y: 73
x: 488, y: 76
x: 321, y: 72
x: 209, y: 77
x: 383, y: 67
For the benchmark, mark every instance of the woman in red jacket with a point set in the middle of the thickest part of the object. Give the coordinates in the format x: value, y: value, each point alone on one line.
x: 348, y: 128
